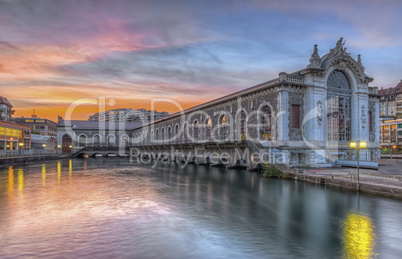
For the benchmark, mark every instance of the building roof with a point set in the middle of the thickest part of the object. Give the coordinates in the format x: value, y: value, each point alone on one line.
x: 14, y: 125
x: 37, y: 137
x: 81, y: 124
x: 3, y: 100
x: 391, y: 90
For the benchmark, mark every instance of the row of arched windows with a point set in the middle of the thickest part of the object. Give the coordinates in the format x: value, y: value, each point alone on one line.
x: 204, y: 130
x: 97, y: 140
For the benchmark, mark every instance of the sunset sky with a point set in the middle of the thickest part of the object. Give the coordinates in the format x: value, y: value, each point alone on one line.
x: 55, y: 53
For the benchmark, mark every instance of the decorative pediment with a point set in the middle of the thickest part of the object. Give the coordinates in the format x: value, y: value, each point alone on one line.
x: 339, y: 59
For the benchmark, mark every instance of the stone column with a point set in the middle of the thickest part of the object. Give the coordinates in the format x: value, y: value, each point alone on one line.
x: 377, y: 122
x: 283, y: 115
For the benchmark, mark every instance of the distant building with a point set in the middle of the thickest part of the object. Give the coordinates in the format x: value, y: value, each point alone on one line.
x: 6, y: 110
x: 14, y: 136
x: 391, y: 101
x: 39, y: 126
x: 43, y: 142
x: 128, y: 115
x: 77, y: 134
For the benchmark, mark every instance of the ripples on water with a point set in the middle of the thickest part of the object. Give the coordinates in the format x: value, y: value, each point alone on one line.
x: 99, y: 208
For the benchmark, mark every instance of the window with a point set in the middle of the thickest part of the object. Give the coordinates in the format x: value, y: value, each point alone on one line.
x: 265, y: 123
x: 295, y: 116
x: 338, y: 107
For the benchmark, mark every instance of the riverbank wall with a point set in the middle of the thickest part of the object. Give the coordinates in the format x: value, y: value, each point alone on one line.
x: 26, y: 160
x: 381, y: 187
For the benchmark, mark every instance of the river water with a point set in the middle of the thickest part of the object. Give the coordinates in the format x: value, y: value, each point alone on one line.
x: 109, y: 208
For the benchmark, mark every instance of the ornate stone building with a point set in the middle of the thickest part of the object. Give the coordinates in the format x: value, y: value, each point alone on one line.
x: 308, y: 117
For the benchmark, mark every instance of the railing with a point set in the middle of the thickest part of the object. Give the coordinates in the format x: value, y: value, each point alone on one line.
x: 25, y: 153
x: 200, y: 140
x: 294, y: 79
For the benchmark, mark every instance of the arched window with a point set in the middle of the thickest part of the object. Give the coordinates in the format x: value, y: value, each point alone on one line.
x: 338, y: 107
x: 223, y: 127
x: 176, y: 133
x: 163, y: 134
x: 208, y: 129
x: 157, y: 134
x: 242, y: 127
x: 82, y: 140
x: 265, y: 123
x: 111, y: 140
x: 196, y: 130
x: 169, y: 132
x: 96, y: 140
x: 184, y: 136
x: 124, y: 140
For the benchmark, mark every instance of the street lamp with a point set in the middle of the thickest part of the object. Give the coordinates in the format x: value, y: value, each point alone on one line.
x: 43, y: 145
x: 21, y: 145
x: 358, y: 145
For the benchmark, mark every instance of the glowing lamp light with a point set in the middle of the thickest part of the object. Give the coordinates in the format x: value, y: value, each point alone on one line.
x: 363, y: 144
x: 70, y: 146
x: 20, y: 144
x: 352, y: 144
x: 59, y: 146
x: 44, y: 145
x: 394, y: 146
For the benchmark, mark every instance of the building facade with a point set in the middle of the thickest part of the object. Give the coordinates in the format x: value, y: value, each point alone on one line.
x: 391, y: 101
x: 391, y: 134
x: 128, y: 115
x: 6, y: 109
x: 75, y: 134
x: 39, y: 126
x: 308, y: 117
x: 14, y: 136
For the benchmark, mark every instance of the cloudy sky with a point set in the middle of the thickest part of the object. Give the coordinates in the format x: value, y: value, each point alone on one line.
x: 54, y: 53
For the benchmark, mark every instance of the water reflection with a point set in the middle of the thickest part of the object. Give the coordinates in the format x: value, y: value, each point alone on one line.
x: 215, y: 212
x: 358, y: 236
x: 70, y: 168
x: 58, y: 171
x: 43, y: 175
x: 10, y: 186
x: 20, y: 179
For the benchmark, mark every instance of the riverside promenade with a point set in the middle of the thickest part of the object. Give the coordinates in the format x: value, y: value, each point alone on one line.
x: 21, y: 157
x: 386, y: 181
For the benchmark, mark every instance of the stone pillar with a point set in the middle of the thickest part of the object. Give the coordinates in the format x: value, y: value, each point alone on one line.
x: 283, y: 115
x: 377, y: 122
